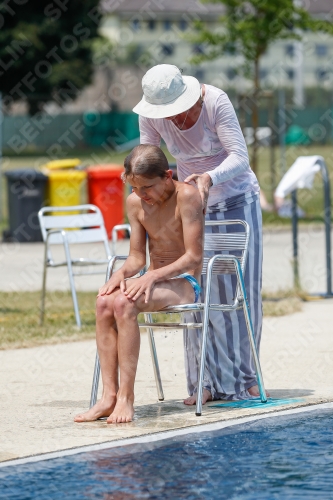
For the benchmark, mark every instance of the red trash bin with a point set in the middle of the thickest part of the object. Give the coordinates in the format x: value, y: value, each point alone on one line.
x: 106, y: 190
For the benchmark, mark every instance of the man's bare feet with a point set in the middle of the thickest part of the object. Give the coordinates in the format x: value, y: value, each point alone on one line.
x: 206, y: 396
x: 123, y: 412
x: 254, y: 391
x: 101, y: 409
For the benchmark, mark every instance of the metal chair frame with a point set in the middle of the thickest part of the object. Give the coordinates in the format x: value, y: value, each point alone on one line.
x: 218, y: 264
x: 81, y: 224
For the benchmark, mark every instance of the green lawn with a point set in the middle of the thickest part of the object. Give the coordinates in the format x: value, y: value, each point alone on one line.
x: 20, y: 313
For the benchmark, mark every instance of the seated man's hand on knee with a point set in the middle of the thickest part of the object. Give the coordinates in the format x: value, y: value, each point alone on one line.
x: 111, y: 285
x: 140, y: 286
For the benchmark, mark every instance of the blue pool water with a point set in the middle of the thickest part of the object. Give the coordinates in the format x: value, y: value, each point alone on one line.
x: 283, y: 457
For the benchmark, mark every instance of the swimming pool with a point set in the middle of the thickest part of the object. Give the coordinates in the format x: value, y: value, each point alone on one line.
x: 281, y: 457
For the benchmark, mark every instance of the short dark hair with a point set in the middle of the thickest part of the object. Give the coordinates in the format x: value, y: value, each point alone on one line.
x: 146, y: 160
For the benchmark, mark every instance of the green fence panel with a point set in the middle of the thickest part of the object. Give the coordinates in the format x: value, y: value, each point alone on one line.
x: 316, y: 122
x: 111, y: 128
x: 52, y: 133
x: 25, y: 133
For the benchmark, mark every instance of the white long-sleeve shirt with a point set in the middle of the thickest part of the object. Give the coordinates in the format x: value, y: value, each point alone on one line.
x: 215, y: 145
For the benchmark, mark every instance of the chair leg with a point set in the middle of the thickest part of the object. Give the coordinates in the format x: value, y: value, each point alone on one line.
x: 42, y: 305
x: 72, y: 284
x: 205, y: 325
x: 95, y: 383
x: 198, y: 410
x: 153, y: 353
x: 250, y: 331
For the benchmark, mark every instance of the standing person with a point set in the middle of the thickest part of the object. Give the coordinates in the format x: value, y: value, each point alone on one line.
x: 200, y: 129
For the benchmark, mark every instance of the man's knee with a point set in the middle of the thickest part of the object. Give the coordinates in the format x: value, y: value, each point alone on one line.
x: 104, y: 306
x: 123, y: 307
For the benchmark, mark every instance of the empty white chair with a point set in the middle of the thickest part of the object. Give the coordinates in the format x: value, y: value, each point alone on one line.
x: 232, y: 254
x: 69, y: 226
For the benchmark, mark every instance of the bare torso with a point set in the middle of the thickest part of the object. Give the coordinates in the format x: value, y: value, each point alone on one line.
x: 163, y: 225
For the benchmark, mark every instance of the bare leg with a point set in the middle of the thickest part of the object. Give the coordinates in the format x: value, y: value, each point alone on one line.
x: 118, y: 343
x: 106, y: 338
x: 206, y: 396
x: 126, y: 314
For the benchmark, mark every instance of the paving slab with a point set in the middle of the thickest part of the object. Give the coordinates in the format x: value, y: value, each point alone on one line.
x: 21, y: 264
x: 42, y: 388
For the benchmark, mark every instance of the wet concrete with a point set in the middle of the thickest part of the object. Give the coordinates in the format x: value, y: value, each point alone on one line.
x: 43, y: 388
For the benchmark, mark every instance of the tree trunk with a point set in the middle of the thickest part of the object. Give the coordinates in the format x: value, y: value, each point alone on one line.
x: 255, y: 118
x: 35, y: 104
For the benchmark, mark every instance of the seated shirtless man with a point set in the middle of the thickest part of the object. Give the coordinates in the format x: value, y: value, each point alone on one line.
x: 170, y: 212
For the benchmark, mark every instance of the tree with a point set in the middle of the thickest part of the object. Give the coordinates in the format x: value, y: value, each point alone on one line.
x: 46, y: 50
x: 249, y: 28
x: 110, y: 55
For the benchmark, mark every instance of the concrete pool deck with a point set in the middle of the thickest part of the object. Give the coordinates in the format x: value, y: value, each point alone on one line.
x: 42, y: 388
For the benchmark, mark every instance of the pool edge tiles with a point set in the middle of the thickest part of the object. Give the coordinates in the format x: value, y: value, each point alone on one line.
x: 160, y: 436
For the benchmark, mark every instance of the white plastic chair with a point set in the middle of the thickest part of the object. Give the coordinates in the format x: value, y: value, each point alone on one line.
x: 216, y: 241
x: 81, y: 224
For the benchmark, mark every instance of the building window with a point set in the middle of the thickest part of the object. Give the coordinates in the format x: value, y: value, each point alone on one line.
x: 322, y: 74
x: 183, y: 25
x: 198, y: 49
x: 321, y: 50
x: 199, y: 74
x: 263, y: 73
x: 151, y: 24
x: 167, y: 49
x: 290, y: 50
x: 135, y: 24
x: 231, y: 73
x: 290, y: 74
x: 167, y: 25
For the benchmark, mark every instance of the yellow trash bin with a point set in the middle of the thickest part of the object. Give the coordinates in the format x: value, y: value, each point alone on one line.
x: 60, y: 164
x: 65, y: 187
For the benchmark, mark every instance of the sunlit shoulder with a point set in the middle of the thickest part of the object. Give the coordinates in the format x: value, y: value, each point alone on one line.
x: 188, y: 194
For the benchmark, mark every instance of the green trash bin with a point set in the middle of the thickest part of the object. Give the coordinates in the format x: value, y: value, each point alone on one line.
x: 26, y: 194
x: 296, y: 135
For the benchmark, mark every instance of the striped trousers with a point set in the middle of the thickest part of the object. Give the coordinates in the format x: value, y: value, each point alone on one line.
x: 229, y: 366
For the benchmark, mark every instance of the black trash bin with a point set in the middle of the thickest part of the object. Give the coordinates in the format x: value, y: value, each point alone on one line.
x: 26, y: 195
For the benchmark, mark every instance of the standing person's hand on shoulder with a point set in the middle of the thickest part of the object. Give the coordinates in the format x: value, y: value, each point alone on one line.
x: 203, y: 182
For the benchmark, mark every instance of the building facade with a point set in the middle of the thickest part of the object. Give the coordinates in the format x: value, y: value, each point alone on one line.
x: 160, y: 30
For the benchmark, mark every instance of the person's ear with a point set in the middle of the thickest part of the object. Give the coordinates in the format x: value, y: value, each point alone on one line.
x: 169, y: 174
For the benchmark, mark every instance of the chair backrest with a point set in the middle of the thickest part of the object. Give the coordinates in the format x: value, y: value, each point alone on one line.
x: 84, y: 223
x: 115, y: 234
x: 218, y: 240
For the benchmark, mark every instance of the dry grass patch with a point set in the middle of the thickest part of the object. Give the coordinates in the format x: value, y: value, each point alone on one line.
x: 20, y: 312
x: 282, y: 302
x: 19, y: 316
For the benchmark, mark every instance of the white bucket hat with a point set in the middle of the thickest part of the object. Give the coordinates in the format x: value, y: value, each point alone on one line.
x: 166, y: 92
